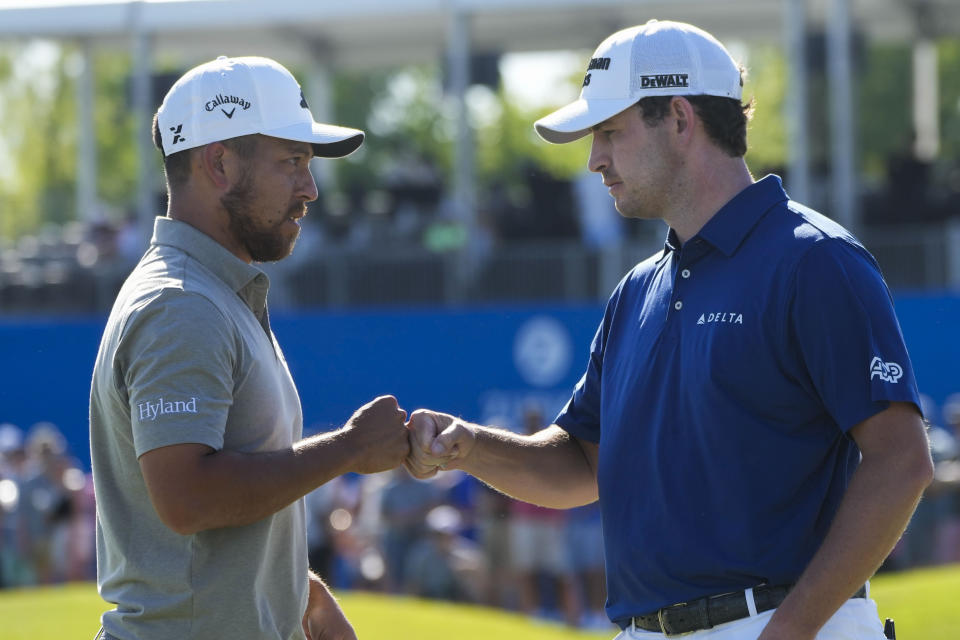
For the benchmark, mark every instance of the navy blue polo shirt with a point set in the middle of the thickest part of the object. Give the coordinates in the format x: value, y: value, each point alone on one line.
x: 721, y: 387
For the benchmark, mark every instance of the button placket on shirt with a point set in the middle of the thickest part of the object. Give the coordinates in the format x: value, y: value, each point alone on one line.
x: 688, y: 255
x: 678, y: 303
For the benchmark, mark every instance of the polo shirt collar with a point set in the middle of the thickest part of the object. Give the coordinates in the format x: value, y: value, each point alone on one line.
x: 250, y: 283
x: 729, y: 226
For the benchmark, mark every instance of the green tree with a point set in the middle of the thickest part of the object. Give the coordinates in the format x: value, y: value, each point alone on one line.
x: 116, y: 128
x: 766, y: 85
x: 884, y: 124
x: 403, y: 110
x: 949, y: 65
x: 37, y: 129
x: 38, y: 133
x: 507, y: 145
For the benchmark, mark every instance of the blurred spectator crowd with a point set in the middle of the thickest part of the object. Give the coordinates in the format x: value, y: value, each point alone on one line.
x: 402, y: 233
x: 405, y: 241
x: 448, y: 538
x: 933, y: 536
x: 47, y: 509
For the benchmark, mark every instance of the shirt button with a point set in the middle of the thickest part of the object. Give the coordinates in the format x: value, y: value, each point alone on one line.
x: 678, y: 305
x: 685, y: 273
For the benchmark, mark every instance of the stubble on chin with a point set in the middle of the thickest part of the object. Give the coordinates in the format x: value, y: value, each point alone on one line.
x: 264, y: 243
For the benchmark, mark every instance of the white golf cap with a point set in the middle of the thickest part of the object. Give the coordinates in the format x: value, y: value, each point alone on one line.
x: 659, y: 58
x: 230, y: 97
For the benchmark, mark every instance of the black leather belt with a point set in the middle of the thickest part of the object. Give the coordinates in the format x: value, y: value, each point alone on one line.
x: 708, y: 612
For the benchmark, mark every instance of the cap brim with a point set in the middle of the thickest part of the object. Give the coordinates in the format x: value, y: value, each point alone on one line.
x: 328, y: 140
x: 573, y: 121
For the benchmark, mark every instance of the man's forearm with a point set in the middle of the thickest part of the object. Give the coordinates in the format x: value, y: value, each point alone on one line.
x: 194, y: 488
x: 235, y: 489
x: 549, y: 468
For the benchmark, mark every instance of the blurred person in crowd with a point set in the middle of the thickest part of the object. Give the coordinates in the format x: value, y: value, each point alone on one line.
x: 71, y: 541
x: 52, y: 518
x: 493, y: 532
x: 584, y: 546
x: 131, y: 242
x: 358, y: 532
x: 47, y: 502
x: 404, y: 505
x: 945, y: 488
x: 336, y: 532
x: 538, y: 555
x: 14, y: 567
x: 101, y: 238
x: 195, y: 423
x: 749, y: 418
x: 601, y: 227
x: 82, y: 540
x: 320, y: 504
x: 443, y: 564
x: 919, y: 546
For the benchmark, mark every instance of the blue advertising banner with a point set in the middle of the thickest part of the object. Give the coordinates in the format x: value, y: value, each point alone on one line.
x: 486, y: 364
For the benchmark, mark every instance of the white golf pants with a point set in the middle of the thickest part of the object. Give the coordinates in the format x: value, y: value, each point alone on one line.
x: 857, y: 619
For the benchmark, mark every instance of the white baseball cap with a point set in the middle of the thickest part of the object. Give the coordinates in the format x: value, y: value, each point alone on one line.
x: 230, y: 97
x: 659, y: 58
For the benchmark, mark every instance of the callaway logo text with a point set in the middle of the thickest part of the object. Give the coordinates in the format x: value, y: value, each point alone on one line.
x: 886, y: 371
x: 222, y: 99
x: 664, y: 80
x: 150, y: 410
x: 730, y: 317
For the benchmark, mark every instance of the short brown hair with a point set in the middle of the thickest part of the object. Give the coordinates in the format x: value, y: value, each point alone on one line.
x: 176, y: 166
x: 725, y: 119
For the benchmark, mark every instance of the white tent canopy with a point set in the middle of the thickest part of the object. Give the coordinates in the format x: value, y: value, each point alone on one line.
x: 324, y: 35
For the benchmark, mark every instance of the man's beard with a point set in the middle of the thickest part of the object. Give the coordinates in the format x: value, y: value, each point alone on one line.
x: 264, y: 244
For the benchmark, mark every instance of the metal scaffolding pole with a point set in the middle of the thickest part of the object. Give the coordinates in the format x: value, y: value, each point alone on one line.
x: 458, y: 68
x: 842, y: 129
x: 926, y: 100
x: 86, y: 136
x: 142, y: 106
x: 463, y: 195
x: 798, y: 149
x: 319, y: 94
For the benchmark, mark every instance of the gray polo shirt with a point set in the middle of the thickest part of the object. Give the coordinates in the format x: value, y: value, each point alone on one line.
x: 187, y: 356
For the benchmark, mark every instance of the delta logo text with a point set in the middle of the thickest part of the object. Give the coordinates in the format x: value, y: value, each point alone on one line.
x: 664, y: 80
x: 596, y: 64
x: 151, y: 410
x: 226, y: 100
x: 886, y: 371
x: 730, y: 317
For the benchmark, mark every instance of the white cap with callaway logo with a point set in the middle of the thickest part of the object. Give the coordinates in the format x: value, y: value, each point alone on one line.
x: 230, y: 97
x: 659, y: 58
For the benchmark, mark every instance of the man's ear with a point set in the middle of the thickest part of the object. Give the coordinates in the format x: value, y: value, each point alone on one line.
x: 212, y: 165
x: 683, y: 114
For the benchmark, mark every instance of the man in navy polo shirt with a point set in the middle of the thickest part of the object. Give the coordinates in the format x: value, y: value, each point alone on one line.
x: 749, y: 416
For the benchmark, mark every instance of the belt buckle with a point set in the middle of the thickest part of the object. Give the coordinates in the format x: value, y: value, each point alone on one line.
x: 662, y: 620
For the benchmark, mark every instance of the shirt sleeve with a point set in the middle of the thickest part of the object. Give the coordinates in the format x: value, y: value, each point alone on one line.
x: 581, y: 415
x: 848, y: 334
x: 176, y: 359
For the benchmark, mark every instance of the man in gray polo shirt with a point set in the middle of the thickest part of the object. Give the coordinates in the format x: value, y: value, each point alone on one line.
x: 195, y: 424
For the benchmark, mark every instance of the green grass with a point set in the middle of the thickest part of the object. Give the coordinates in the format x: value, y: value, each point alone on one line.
x: 924, y: 604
